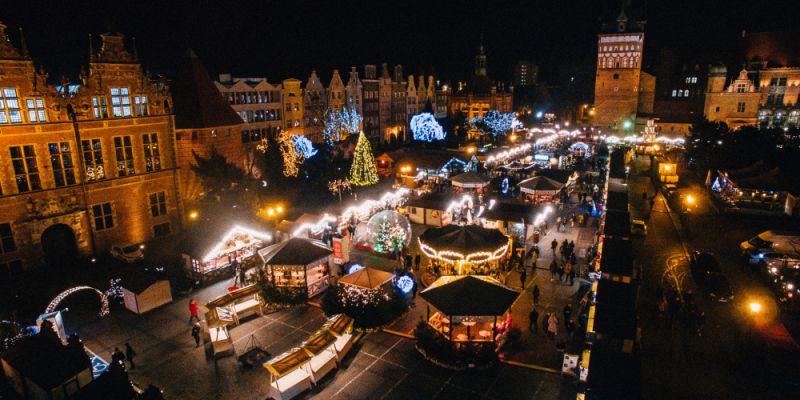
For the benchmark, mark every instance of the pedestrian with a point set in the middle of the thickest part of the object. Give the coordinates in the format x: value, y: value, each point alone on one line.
x: 567, y: 312
x: 129, y: 354
x: 196, y: 334
x: 554, y: 245
x: 699, y: 322
x: 661, y: 304
x: 564, y: 250
x: 553, y: 270
x: 571, y: 246
x: 193, y: 310
x: 414, y: 290
x: 118, y: 356
x: 417, y: 261
x: 561, y: 273
x: 571, y: 275
x: 536, y: 295
x: 570, y: 328
x: 408, y: 262
x: 552, y: 326
x: 523, y: 276
x: 572, y: 258
x: 533, y: 325
x: 545, y: 322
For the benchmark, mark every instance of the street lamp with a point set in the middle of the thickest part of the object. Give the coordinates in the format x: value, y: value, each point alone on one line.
x: 754, y: 307
x: 193, y: 215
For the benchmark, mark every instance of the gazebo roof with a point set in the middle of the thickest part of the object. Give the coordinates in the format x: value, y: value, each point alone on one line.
x: 540, y: 185
x: 367, y: 278
x: 463, y: 239
x: 295, y: 251
x: 469, y: 295
x: 469, y: 179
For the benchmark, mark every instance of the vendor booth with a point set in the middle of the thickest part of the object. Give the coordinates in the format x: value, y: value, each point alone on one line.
x: 367, y: 279
x: 466, y: 308
x: 469, y: 181
x: 231, y: 307
x: 465, y: 249
x: 439, y: 209
x: 209, y: 252
x: 289, y: 374
x: 298, y: 263
x: 539, y: 189
x: 142, y: 293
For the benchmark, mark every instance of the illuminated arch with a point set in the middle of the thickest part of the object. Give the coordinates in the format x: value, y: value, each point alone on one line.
x: 63, y: 295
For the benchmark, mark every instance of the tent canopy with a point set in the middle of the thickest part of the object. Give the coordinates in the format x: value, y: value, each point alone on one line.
x: 469, y: 180
x: 295, y: 251
x: 367, y: 278
x: 464, y: 239
x: 540, y: 185
x: 469, y: 295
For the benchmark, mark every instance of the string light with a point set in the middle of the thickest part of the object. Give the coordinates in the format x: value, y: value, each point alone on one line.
x: 303, y: 146
x: 425, y: 128
x: 454, y: 257
x: 317, y: 227
x: 363, y: 171
x: 289, y: 154
x: 367, y: 207
x: 229, y: 235
x: 497, y: 123
x: 339, y: 124
x: 61, y: 296
x: 405, y: 284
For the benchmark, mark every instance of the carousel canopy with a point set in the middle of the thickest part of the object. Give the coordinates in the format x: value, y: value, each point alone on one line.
x: 367, y: 278
x: 469, y: 295
x: 455, y: 241
x: 295, y: 251
x: 540, y: 185
x: 469, y: 180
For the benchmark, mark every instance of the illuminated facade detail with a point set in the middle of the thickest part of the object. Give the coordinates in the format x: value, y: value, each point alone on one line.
x: 475, y: 98
x: 70, y: 157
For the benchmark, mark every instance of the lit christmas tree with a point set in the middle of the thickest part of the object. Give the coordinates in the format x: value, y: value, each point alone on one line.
x: 397, y: 239
x: 363, y: 171
x: 383, y: 240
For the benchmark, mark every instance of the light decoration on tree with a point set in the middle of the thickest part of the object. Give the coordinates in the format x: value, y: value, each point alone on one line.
x: 339, y: 124
x: 352, y: 296
x: 405, y: 284
x: 303, y: 146
x: 495, y: 122
x: 363, y: 171
x: 339, y: 186
x: 382, y: 240
x: 63, y: 295
x: 454, y: 257
x: 289, y: 154
x: 389, y: 231
x: 425, y: 128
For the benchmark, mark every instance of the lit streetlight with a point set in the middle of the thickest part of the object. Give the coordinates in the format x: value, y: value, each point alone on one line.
x: 754, y: 307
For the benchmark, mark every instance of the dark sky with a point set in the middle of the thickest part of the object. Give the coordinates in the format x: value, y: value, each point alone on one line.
x: 280, y: 39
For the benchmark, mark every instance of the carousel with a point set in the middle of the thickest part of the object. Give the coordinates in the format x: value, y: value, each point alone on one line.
x: 466, y: 308
x: 465, y: 249
x: 540, y: 189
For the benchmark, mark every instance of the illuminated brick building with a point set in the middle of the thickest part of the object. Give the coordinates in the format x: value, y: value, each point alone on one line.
x: 85, y: 165
x: 477, y: 97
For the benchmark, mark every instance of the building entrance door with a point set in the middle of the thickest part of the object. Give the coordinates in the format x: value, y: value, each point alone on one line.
x: 59, y: 245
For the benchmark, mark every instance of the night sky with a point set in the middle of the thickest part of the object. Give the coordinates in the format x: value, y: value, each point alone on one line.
x: 280, y: 39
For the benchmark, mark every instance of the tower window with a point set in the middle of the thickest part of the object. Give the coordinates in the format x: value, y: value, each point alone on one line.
x: 740, y: 107
x: 616, y: 76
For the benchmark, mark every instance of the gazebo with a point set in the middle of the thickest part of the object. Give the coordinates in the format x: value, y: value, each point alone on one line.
x: 467, y: 306
x: 469, y: 180
x: 299, y: 263
x: 367, y: 279
x: 461, y: 246
x: 540, y: 188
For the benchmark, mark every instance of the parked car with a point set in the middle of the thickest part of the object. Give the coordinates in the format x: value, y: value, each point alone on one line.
x: 709, y: 278
x: 129, y: 254
x: 638, y: 227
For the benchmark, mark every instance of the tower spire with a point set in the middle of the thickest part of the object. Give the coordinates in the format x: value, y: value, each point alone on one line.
x: 135, y: 51
x: 91, y: 51
x: 22, y: 44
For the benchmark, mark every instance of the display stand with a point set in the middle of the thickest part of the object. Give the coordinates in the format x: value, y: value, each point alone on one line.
x: 221, y: 342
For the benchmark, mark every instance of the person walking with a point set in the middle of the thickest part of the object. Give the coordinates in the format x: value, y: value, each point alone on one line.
x: 567, y: 312
x: 553, y: 270
x: 193, y: 310
x: 536, y: 295
x: 568, y: 271
x: 196, y: 334
x: 523, y: 275
x: 554, y: 246
x: 570, y: 328
x: 533, y: 325
x: 571, y: 248
x: 552, y: 326
x: 561, y: 273
x: 118, y: 356
x: 417, y: 261
x: 545, y: 322
x: 129, y: 354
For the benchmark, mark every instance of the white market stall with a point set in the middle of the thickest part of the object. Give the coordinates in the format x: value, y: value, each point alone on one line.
x: 142, y: 293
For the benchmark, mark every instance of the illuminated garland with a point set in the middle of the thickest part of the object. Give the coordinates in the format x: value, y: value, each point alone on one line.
x: 495, y: 122
x: 351, y: 296
x: 363, y: 171
x: 368, y: 207
x: 63, y: 295
x: 453, y: 257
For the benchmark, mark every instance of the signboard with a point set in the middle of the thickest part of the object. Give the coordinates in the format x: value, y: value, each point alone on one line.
x: 570, y: 362
x: 224, y: 314
x: 338, y: 255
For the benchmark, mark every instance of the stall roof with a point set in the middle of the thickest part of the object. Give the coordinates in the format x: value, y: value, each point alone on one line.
x: 201, y: 240
x: 616, y: 185
x: 617, y: 201
x: 463, y: 239
x: 287, y: 362
x: 469, y: 179
x: 558, y: 175
x: 615, y: 314
x: 426, y: 159
x: 469, y: 295
x: 435, y: 201
x: 512, y: 212
x: 135, y: 281
x: 617, y: 223
x: 295, y: 251
x: 617, y: 258
x: 367, y: 278
x: 339, y: 324
x: 44, y: 360
x: 614, y: 375
x: 540, y: 184
x: 318, y: 342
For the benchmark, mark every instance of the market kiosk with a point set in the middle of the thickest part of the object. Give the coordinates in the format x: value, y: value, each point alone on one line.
x: 289, y: 374
x: 323, y: 356
x: 341, y: 326
x: 298, y: 263
x: 210, y: 253
x: 233, y: 306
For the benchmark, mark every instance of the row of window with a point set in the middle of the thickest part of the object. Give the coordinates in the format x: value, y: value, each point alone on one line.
x: 273, y: 96
x: 103, y: 213
x: 121, y: 106
x: 680, y: 93
x: 255, y: 135
x: 619, y: 48
x: 627, y: 62
x: 691, y: 79
x: 260, y: 115
x: 740, y: 107
x: 26, y: 168
x: 292, y: 107
x: 11, y: 112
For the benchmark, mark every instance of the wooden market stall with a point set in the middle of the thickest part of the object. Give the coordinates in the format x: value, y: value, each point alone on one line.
x: 323, y: 355
x: 298, y: 263
x: 289, y: 374
x: 142, y: 293
x: 235, y: 305
x: 341, y: 326
x: 466, y: 307
x: 210, y: 251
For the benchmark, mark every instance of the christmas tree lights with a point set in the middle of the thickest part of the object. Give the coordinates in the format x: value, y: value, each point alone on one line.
x: 289, y: 154
x: 363, y: 171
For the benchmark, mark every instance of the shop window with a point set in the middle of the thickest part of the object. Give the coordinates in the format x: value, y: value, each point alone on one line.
x: 9, y: 107
x: 103, y: 218
x: 152, y: 155
x: 121, y: 102
x: 124, y: 152
x: 93, y: 159
x: 7, y: 244
x: 158, y: 204
x: 61, y: 161
x: 100, y: 107
x: 36, y: 110
x: 26, y: 171
x: 161, y: 230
